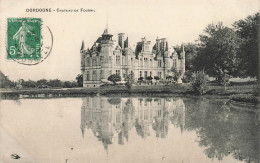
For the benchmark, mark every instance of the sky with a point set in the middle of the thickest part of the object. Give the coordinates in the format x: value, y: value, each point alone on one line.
x: 179, y: 21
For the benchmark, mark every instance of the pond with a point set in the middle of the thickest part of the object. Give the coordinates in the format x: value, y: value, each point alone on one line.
x: 128, y: 129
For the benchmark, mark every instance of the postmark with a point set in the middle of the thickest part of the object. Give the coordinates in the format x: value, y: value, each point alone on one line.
x: 29, y: 41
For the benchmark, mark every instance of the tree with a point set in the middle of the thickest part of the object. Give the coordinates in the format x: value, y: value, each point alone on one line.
x: 29, y: 84
x: 191, y: 50
x: 176, y: 74
x: 79, y: 79
x: 218, y: 51
x: 42, y: 83
x: 67, y: 84
x: 5, y: 82
x: 225, y: 80
x: 198, y: 82
x: 74, y: 84
x: 247, y: 29
x: 129, y: 78
x: 55, y: 83
x: 187, y: 76
x: 114, y: 78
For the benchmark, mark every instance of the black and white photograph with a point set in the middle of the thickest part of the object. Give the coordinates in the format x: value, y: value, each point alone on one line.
x: 130, y: 81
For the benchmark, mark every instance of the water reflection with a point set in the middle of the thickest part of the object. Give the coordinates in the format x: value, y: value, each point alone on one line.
x: 222, y: 129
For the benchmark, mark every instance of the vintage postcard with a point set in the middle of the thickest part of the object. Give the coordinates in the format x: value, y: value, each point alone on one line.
x: 132, y: 81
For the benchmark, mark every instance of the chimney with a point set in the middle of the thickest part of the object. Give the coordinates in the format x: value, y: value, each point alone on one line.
x: 157, y: 45
x: 143, y: 39
x: 121, y: 40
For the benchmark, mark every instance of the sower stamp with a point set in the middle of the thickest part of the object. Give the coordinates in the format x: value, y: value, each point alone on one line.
x: 28, y: 41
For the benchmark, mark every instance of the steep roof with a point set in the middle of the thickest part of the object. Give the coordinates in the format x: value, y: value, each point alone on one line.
x: 138, y: 48
x: 82, y: 46
x: 126, y: 42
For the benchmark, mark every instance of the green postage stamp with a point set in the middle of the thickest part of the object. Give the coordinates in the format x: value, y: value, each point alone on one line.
x: 24, y: 38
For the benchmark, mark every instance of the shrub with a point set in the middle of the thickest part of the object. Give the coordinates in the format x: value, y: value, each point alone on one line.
x: 129, y: 78
x: 156, y: 77
x: 141, y: 79
x: 187, y: 77
x: 198, y: 82
x: 114, y: 78
x: 149, y: 78
x: 169, y: 77
x: 176, y: 74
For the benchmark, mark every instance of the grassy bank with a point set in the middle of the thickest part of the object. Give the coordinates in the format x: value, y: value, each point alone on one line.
x: 142, y: 90
x: 247, y: 98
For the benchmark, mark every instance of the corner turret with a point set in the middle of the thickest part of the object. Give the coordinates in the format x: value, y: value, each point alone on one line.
x: 182, y: 64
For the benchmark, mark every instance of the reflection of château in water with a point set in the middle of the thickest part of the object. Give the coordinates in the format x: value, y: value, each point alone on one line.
x: 109, y: 116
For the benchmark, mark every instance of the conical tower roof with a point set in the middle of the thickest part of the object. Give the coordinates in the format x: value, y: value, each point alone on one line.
x: 82, y: 45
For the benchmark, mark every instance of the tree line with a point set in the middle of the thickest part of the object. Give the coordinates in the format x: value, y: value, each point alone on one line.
x: 222, y: 51
x: 5, y: 82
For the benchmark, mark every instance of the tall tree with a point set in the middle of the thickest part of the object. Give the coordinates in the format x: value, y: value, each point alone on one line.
x: 79, y: 79
x: 218, y: 51
x: 248, y: 29
x: 5, y: 82
x: 191, y: 50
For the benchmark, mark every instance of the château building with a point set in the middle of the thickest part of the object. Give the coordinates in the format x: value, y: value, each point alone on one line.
x: 107, y: 57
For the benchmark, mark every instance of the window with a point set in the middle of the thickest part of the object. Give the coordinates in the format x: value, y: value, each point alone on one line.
x: 159, y: 63
x: 117, y: 60
x: 146, y: 62
x: 101, y: 59
x: 159, y: 112
x: 145, y: 74
x: 94, y: 75
x: 141, y: 62
x: 88, y: 62
x: 88, y: 76
x: 118, y: 72
x: 146, y: 114
x: 140, y: 100
x: 151, y: 74
x: 101, y: 74
x: 94, y: 62
x: 118, y: 117
x: 160, y: 75
x: 159, y: 102
x: 141, y: 74
x: 174, y: 63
